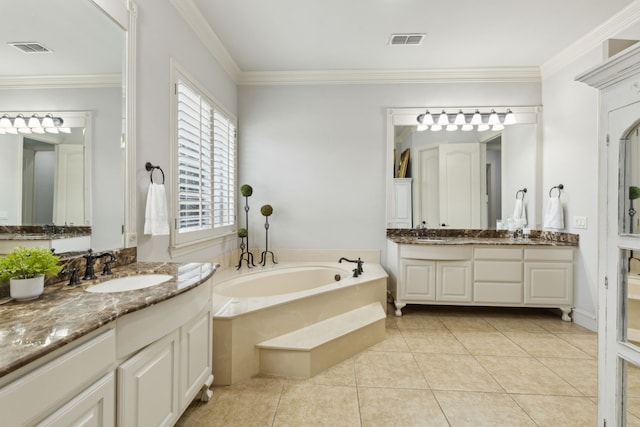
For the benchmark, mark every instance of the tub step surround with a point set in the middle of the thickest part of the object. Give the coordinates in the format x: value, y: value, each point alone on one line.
x: 308, y: 351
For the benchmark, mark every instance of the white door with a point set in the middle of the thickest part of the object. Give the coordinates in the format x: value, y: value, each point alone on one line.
x: 461, y: 186
x: 619, y: 295
x: 429, y: 186
x: 68, y: 192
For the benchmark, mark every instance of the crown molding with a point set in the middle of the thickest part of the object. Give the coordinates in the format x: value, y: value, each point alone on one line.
x: 192, y: 15
x: 61, y: 82
x: 620, y: 21
x: 619, y: 67
x: 462, y: 75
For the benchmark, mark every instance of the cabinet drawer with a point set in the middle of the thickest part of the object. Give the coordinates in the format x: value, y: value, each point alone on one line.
x: 498, y: 292
x: 51, y: 385
x: 436, y: 252
x: 549, y: 254
x: 497, y: 271
x: 514, y: 254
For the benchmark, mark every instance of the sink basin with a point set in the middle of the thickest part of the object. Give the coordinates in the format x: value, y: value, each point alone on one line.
x: 130, y: 283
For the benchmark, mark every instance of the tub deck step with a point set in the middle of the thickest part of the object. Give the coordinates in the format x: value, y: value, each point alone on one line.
x: 307, y: 351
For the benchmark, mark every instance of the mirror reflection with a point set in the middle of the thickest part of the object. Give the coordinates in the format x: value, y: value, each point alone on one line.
x: 463, y: 179
x: 80, y: 70
x: 630, y: 159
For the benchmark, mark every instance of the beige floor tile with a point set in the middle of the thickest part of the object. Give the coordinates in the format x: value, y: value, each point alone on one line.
x: 481, y: 409
x: 511, y: 324
x: 581, y: 374
x: 633, y: 407
x: 413, y: 321
x: 489, y: 344
x: 526, y: 375
x: 313, y: 404
x: 588, y: 343
x: 344, y: 373
x: 466, y: 323
x: 251, y: 402
x: 399, y: 407
x: 391, y: 369
x: 433, y: 341
x: 546, y: 345
x: 557, y: 325
x: 552, y: 411
x: 456, y: 372
x: 394, y: 341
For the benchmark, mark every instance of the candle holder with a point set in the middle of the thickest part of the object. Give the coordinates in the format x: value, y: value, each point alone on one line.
x: 266, y: 210
x: 246, y: 190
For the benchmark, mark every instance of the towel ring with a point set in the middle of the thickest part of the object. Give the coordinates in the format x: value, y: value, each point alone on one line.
x: 557, y: 187
x: 520, y: 193
x: 150, y: 168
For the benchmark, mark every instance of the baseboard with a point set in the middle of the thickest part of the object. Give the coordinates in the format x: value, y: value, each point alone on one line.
x: 585, y: 319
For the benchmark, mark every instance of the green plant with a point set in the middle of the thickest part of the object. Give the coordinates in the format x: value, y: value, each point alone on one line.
x: 26, y: 263
x: 246, y: 190
x: 242, y: 232
x: 266, y: 210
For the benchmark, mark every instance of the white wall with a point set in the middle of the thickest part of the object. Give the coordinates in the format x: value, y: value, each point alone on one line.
x: 317, y: 155
x: 162, y: 34
x: 519, y: 170
x: 570, y: 157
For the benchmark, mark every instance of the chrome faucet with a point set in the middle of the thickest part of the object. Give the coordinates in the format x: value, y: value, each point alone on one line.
x: 358, y: 270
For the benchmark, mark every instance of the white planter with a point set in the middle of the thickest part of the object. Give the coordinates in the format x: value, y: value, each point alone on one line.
x: 26, y: 289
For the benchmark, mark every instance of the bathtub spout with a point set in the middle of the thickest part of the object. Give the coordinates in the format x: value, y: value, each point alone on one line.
x: 357, y: 271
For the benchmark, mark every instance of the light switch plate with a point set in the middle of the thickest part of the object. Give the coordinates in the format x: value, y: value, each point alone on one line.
x: 580, y: 222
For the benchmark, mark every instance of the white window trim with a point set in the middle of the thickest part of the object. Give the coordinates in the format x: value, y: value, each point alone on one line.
x: 212, y: 237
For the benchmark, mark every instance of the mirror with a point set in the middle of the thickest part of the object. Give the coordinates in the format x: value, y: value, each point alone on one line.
x: 630, y: 162
x: 462, y: 179
x: 80, y: 68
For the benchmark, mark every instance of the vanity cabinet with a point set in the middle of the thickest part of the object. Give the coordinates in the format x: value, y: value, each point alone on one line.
x: 402, y: 206
x: 485, y: 275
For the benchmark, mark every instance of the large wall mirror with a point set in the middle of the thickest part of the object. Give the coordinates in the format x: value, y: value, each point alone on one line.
x: 72, y: 59
x: 460, y: 179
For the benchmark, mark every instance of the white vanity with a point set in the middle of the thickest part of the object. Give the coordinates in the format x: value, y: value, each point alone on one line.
x: 147, y: 356
x: 481, y: 272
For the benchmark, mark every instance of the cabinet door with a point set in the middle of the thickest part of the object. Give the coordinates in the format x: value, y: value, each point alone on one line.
x: 195, y: 356
x: 548, y: 283
x: 94, y: 407
x: 148, y: 385
x: 418, y: 280
x: 453, y: 281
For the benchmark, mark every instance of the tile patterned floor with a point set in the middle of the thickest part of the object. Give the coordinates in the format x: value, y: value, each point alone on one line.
x: 439, y: 366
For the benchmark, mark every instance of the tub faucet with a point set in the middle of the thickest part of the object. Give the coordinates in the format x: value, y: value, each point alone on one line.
x: 357, y: 271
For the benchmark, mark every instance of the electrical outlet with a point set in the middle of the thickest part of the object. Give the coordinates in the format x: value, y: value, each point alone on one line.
x: 579, y: 222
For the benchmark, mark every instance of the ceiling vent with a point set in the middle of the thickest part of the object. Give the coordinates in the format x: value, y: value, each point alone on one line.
x: 406, y: 39
x: 30, y: 47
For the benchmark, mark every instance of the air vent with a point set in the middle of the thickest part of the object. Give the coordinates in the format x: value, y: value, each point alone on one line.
x: 406, y: 39
x: 30, y: 47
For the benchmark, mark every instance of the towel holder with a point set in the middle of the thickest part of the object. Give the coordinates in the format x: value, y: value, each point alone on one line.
x: 558, y: 187
x: 150, y: 168
x: 521, y: 193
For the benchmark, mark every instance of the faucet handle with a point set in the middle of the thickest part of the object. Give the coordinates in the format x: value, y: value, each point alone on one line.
x: 73, y: 275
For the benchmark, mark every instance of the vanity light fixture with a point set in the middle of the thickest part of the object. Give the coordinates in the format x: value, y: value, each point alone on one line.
x: 32, y: 124
x: 466, y: 120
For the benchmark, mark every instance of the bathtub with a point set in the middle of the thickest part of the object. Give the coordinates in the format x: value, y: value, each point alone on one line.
x: 251, y: 306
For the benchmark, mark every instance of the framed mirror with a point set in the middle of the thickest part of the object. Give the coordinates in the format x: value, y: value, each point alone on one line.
x: 462, y: 179
x: 82, y: 68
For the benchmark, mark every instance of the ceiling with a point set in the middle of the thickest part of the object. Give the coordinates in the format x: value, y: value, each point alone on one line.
x: 311, y: 35
x: 306, y: 36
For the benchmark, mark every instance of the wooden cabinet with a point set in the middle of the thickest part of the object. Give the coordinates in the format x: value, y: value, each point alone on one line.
x: 195, y: 357
x: 488, y: 275
x: 402, y: 206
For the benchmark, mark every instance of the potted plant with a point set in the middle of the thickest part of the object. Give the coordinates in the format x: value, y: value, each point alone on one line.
x: 26, y: 269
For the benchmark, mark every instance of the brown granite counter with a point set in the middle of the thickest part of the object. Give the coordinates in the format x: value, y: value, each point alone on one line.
x: 479, y: 237
x: 32, y: 329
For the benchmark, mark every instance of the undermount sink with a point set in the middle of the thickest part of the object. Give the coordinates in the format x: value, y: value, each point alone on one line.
x: 130, y: 283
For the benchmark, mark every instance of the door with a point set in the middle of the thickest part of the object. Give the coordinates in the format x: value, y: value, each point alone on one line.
x: 461, y: 186
x: 429, y: 185
x: 68, y: 201
x: 619, y: 296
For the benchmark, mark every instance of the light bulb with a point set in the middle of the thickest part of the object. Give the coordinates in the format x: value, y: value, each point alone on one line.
x: 460, y: 119
x: 493, y: 118
x: 467, y: 127
x: 24, y: 130
x: 5, y: 122
x: 436, y: 127
x: 422, y: 127
x: 510, y: 118
x: 443, y: 119
x: 451, y: 128
x: 428, y: 118
x: 47, y: 121
x: 19, y: 122
x: 34, y: 121
x: 476, y: 119
x: 37, y: 130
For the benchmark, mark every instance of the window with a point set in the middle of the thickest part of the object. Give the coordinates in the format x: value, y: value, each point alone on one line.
x: 205, y: 141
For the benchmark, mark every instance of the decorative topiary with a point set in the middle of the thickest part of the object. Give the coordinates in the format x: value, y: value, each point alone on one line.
x: 242, y: 232
x: 266, y: 210
x: 634, y: 192
x: 246, y: 190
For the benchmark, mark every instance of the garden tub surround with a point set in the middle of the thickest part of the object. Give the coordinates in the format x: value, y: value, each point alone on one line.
x: 294, y: 318
x: 482, y: 267
x: 32, y: 329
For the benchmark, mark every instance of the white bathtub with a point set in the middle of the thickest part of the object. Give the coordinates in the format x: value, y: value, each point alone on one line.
x: 254, y: 305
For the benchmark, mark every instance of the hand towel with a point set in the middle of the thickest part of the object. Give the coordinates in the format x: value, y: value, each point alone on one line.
x: 520, y: 213
x: 553, y: 216
x: 156, y: 218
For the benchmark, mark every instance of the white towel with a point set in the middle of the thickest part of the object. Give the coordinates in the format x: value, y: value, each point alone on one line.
x: 520, y: 213
x: 553, y: 216
x: 156, y: 218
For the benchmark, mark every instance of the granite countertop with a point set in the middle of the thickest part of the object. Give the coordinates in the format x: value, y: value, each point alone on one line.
x: 479, y: 237
x: 32, y: 329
